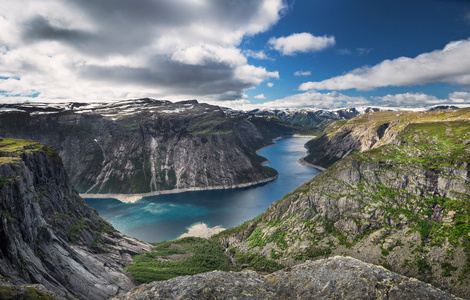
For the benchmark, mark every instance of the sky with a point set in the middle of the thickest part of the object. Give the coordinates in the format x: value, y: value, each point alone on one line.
x: 242, y: 54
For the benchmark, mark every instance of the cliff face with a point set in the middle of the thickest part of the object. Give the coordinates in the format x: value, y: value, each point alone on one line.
x: 334, y: 278
x: 145, y: 145
x: 49, y: 236
x: 404, y: 205
x: 370, y: 131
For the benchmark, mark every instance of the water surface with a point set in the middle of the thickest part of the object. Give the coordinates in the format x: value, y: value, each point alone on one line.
x: 166, y: 217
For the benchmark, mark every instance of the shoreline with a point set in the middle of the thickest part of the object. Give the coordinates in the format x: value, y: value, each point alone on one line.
x: 305, y: 163
x: 131, y: 198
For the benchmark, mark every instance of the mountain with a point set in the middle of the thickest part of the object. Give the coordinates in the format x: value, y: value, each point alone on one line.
x: 48, y: 234
x: 145, y: 145
x: 370, y: 131
x: 397, y: 196
x: 312, y: 117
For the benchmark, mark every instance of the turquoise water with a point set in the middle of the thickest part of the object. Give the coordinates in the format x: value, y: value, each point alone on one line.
x: 166, y: 217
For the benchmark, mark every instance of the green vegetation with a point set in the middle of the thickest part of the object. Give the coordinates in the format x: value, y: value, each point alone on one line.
x: 11, y: 150
x: 23, y: 293
x: 254, y: 260
x: 186, y: 256
x: 209, y: 125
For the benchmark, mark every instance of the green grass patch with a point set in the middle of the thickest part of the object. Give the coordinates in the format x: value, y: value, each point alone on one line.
x: 186, y: 256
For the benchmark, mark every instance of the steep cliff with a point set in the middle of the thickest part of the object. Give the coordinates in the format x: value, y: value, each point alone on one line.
x: 144, y: 145
x: 49, y: 236
x: 370, y: 131
x: 404, y: 204
x: 334, y: 278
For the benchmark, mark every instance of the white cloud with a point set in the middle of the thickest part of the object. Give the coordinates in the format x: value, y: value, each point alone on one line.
x: 363, y: 51
x: 450, y: 65
x: 302, y: 73
x: 260, y: 96
x: 98, y: 50
x: 256, y: 54
x: 309, y: 99
x: 335, y: 100
x: 407, y: 100
x: 301, y: 42
x: 270, y: 84
x: 459, y: 97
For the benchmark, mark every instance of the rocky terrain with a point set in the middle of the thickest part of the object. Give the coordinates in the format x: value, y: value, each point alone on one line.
x: 399, y: 197
x: 145, y: 145
x: 49, y: 236
x: 333, y: 278
x: 369, y: 131
x: 312, y: 117
x: 403, y: 203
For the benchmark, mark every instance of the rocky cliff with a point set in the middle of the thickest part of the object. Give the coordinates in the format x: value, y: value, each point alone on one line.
x: 49, y: 236
x: 145, y: 145
x: 404, y: 204
x: 334, y: 278
x: 369, y: 131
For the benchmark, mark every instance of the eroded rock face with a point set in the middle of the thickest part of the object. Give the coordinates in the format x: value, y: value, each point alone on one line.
x: 145, y: 145
x: 333, y: 278
x: 49, y: 236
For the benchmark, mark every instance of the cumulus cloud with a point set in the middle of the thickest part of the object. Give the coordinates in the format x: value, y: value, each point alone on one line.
x: 309, y: 99
x: 301, y: 42
x: 260, y: 96
x: 270, y: 84
x: 302, y: 73
x: 449, y: 65
x: 107, y: 49
x: 459, y: 97
x: 335, y: 100
x: 256, y: 54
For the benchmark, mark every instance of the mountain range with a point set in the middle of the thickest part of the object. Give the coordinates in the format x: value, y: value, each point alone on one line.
x: 395, y: 193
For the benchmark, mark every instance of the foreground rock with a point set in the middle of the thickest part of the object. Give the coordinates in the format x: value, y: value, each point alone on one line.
x: 333, y: 278
x: 49, y: 236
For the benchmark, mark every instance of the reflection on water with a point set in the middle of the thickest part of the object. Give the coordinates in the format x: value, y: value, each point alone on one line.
x: 166, y: 217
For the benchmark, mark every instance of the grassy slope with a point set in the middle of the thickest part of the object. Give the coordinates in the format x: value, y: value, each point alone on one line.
x: 189, y: 256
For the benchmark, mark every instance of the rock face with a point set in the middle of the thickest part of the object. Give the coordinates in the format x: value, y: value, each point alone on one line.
x: 333, y: 278
x: 369, y: 131
x: 404, y: 205
x: 144, y: 145
x: 49, y: 236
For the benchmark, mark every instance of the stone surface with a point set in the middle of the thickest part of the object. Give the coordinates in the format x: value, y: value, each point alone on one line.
x: 333, y: 278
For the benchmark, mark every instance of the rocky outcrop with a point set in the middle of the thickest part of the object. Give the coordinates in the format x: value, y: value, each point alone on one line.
x: 404, y: 205
x: 49, y: 236
x: 369, y: 131
x: 145, y: 145
x: 333, y: 278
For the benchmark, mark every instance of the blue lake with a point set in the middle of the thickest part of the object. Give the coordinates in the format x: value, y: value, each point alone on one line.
x: 166, y: 217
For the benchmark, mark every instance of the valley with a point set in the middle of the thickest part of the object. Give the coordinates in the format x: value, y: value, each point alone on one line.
x: 394, y: 193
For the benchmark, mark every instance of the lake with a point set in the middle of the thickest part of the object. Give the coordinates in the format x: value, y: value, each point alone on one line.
x: 167, y: 217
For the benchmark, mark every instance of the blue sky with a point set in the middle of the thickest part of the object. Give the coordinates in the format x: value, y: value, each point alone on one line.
x: 237, y: 53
